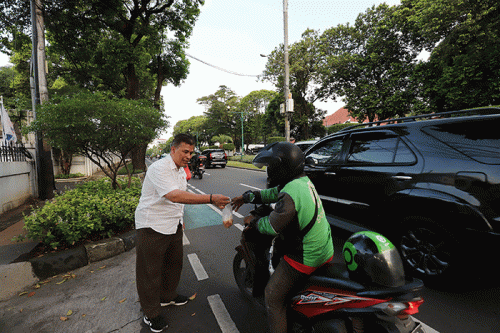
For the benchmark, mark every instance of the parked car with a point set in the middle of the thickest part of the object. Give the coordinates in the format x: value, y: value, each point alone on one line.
x: 304, y: 145
x: 429, y: 183
x: 215, y: 157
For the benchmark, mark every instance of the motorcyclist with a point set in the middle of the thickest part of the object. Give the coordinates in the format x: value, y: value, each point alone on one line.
x: 298, y: 218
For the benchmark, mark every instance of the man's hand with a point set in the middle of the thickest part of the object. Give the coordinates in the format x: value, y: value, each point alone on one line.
x: 237, y: 202
x: 220, y: 200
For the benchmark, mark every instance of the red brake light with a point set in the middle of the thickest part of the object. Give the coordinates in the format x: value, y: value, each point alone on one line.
x: 412, y: 307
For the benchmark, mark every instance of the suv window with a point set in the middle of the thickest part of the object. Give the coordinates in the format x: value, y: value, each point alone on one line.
x: 379, y: 148
x: 327, y: 153
x: 479, y: 139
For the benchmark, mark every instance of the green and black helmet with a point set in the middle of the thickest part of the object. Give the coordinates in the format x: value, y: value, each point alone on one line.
x: 372, y: 258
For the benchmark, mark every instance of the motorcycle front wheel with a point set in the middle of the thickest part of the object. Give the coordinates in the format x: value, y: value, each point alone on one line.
x: 243, y: 275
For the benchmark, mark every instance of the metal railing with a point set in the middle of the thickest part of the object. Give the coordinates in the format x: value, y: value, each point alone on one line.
x: 14, y: 153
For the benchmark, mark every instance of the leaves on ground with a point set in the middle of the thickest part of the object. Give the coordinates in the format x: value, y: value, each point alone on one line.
x: 192, y: 297
x: 123, y: 300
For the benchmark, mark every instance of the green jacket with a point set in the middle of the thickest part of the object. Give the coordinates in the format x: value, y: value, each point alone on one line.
x: 296, y: 205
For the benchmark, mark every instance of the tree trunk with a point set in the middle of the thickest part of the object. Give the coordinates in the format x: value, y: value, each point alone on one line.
x: 139, y: 157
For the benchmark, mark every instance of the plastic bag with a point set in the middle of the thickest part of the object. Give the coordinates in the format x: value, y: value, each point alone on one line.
x: 227, y: 216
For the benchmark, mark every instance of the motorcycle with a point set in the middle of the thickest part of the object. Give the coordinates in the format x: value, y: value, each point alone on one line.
x: 330, y: 301
x: 197, y: 165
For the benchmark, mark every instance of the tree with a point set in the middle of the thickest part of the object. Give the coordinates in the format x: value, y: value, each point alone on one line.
x: 464, y: 65
x: 371, y: 65
x: 195, y: 126
x: 220, y: 112
x: 100, y: 127
x: 303, y: 59
x: 130, y: 48
x: 253, y: 107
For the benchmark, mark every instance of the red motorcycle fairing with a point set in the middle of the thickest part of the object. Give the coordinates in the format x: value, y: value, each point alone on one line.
x: 316, y: 301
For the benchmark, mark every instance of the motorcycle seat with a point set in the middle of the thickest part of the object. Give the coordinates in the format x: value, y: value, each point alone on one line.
x: 334, y: 275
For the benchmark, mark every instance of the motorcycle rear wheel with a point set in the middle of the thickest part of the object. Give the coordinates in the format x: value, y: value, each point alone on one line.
x: 243, y: 275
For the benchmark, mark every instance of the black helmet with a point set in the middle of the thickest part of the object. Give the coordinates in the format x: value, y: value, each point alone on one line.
x: 284, y: 162
x: 372, y: 258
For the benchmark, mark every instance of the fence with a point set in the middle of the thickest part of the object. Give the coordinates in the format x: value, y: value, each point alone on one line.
x: 14, y: 153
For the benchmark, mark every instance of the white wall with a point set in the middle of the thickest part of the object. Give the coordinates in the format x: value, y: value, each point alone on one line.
x: 16, y: 184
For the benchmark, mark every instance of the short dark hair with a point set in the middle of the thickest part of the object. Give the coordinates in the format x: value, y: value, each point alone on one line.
x: 183, y: 137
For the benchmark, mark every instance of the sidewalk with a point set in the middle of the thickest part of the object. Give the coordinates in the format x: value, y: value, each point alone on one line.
x: 18, y: 272
x: 101, y: 296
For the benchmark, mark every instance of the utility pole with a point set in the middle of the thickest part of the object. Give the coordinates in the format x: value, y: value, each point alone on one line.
x: 287, y: 73
x: 45, y: 170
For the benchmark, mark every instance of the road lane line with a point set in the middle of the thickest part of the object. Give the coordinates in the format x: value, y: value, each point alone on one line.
x: 239, y: 226
x: 226, y: 324
x: 198, y: 269
x: 253, y: 187
x: 212, y: 206
x: 185, y: 240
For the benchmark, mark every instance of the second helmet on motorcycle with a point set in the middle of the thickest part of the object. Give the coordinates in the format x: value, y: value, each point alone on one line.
x: 284, y: 162
x: 372, y: 258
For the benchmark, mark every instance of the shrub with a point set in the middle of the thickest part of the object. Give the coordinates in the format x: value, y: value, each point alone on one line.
x: 71, y: 175
x: 130, y: 168
x: 91, y: 210
x: 275, y: 139
x: 228, y: 146
x: 337, y: 127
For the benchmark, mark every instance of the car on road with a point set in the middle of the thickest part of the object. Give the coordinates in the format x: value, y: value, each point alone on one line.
x: 215, y: 157
x: 430, y: 183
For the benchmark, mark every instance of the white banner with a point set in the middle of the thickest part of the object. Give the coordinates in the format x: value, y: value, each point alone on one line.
x: 9, y: 135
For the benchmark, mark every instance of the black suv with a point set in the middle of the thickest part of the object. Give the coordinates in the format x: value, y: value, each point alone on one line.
x: 215, y: 157
x: 429, y: 183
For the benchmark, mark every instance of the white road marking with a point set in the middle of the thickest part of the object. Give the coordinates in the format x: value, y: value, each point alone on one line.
x: 226, y: 324
x: 185, y: 240
x: 252, y: 187
x: 239, y: 226
x: 217, y: 210
x: 198, y: 269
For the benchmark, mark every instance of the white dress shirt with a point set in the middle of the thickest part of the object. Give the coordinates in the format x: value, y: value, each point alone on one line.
x: 154, y: 210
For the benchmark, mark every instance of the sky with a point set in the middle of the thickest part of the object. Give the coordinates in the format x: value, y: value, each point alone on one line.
x: 231, y: 34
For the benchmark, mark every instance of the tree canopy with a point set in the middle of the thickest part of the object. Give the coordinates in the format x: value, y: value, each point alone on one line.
x: 99, y: 126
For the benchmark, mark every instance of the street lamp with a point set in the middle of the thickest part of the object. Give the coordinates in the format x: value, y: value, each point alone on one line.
x: 241, y: 117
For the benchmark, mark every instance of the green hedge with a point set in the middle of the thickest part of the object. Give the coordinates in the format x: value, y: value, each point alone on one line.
x: 71, y: 175
x: 337, y: 127
x: 91, y: 210
x: 275, y: 139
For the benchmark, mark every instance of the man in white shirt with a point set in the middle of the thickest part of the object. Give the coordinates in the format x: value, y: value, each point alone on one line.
x: 159, y: 224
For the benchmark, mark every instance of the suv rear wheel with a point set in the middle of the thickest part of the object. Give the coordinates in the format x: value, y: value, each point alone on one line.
x: 427, y: 251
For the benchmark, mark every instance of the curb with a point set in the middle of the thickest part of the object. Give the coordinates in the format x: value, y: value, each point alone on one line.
x: 16, y: 276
